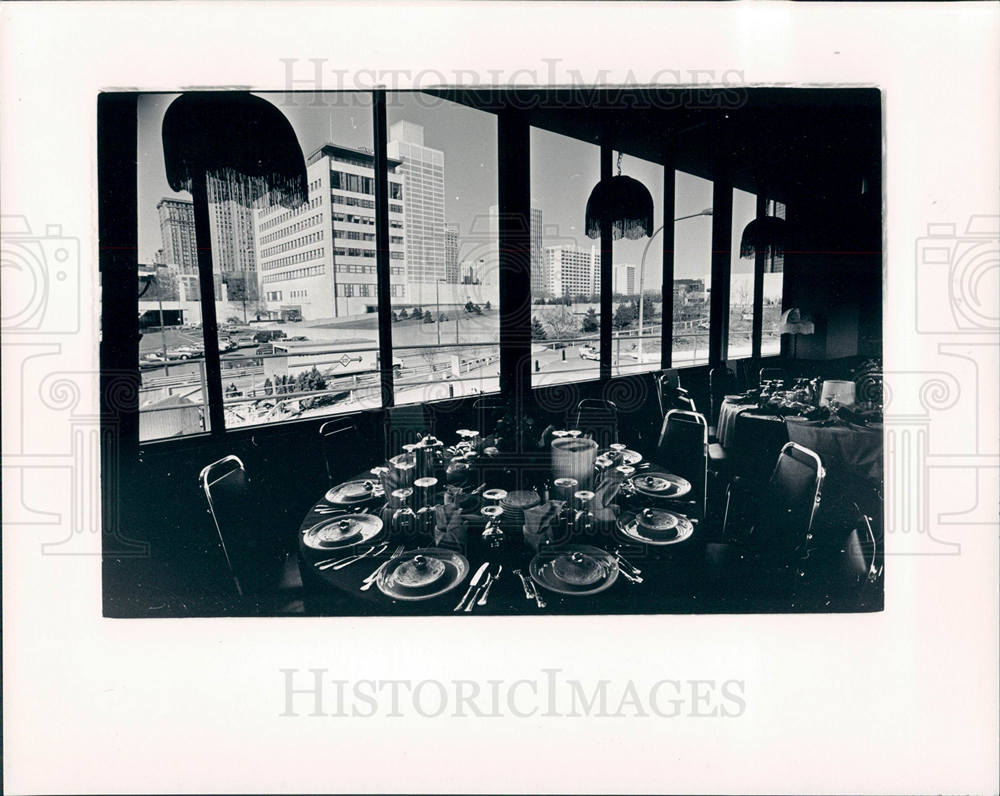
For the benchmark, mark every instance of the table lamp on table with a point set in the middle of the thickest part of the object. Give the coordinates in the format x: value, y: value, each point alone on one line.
x: 795, y: 322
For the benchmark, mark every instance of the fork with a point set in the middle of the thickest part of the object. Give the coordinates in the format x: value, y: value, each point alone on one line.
x: 370, y: 580
x: 347, y: 562
x: 336, y: 560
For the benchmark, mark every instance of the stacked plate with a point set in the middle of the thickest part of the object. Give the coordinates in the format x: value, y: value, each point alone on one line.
x: 515, y: 504
x: 354, y: 493
x: 342, y: 530
x: 576, y: 570
x: 655, y: 527
x: 664, y: 486
x: 422, y: 574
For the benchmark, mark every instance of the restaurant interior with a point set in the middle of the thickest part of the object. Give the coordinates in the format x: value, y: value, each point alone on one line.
x: 750, y: 482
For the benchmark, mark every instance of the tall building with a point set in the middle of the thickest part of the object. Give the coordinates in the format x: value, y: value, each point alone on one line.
x: 318, y: 261
x: 233, y: 251
x: 573, y: 271
x: 540, y: 282
x: 177, y: 233
x: 422, y: 169
x: 451, y: 274
x: 623, y: 280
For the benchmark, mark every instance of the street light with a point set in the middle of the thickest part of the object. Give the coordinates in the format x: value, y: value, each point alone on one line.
x: 642, y: 269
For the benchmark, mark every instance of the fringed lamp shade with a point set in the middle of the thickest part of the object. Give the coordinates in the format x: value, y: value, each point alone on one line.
x: 766, y: 235
x: 627, y: 204
x: 244, y: 145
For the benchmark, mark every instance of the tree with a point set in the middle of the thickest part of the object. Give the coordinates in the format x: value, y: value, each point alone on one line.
x: 416, y: 313
x: 487, y: 306
x: 624, y: 315
x: 537, y: 330
x: 268, y: 386
x: 442, y: 317
x: 591, y: 323
x: 562, y: 323
x: 428, y: 317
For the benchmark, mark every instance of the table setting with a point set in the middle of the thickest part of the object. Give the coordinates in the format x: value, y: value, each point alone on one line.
x: 439, y: 529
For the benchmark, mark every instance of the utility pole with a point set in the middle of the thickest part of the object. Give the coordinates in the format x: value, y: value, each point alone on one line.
x: 163, y: 334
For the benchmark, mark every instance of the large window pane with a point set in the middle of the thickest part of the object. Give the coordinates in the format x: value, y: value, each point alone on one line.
x: 173, y: 390
x: 692, y: 269
x: 443, y: 245
x: 565, y: 263
x: 741, y: 280
x: 634, y: 349
x: 774, y: 275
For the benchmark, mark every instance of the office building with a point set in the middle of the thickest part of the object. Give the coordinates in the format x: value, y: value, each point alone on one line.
x: 540, y: 282
x: 422, y: 170
x: 177, y: 233
x: 623, y: 280
x: 451, y: 274
x: 318, y: 260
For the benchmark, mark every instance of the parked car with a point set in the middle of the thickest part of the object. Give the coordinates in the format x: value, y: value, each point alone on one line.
x: 589, y: 352
x: 185, y: 352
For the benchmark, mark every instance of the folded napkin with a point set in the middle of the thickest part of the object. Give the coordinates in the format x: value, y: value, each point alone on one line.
x: 608, y: 488
x: 449, y: 528
x: 541, y: 524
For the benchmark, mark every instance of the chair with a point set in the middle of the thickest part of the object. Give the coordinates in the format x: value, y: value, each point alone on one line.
x: 721, y: 382
x: 755, y: 439
x: 405, y: 425
x: 255, y: 554
x: 598, y: 419
x: 488, y: 410
x: 683, y: 450
x: 770, y: 528
x: 772, y: 374
x: 670, y: 394
x: 341, y: 445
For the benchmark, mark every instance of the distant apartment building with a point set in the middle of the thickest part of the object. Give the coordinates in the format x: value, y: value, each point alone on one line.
x: 573, y: 271
x: 451, y: 270
x: 318, y: 260
x: 623, y: 280
x: 422, y: 170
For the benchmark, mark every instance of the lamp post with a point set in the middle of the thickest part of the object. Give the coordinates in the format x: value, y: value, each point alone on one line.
x: 642, y: 269
x: 163, y: 334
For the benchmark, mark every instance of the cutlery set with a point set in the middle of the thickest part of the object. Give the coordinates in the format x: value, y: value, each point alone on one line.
x: 529, y: 589
x: 478, y: 594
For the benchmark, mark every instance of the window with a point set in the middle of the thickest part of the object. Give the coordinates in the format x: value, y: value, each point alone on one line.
x: 774, y: 267
x: 565, y: 263
x: 636, y: 350
x: 445, y: 298
x: 741, y: 280
x: 692, y: 269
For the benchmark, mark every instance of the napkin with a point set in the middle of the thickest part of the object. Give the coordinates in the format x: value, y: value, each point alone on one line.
x: 607, y: 490
x: 449, y: 529
x: 541, y: 524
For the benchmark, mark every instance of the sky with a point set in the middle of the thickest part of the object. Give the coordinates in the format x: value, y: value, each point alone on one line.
x: 563, y: 173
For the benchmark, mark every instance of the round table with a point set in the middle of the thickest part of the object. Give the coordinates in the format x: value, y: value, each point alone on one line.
x: 670, y: 581
x: 844, y: 449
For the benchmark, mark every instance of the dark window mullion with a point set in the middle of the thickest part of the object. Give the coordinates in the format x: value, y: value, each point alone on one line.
x: 758, y: 288
x: 606, y: 272
x: 382, y: 247
x: 667, y: 296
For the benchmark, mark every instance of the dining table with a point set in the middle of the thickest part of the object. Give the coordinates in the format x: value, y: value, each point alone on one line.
x: 654, y: 579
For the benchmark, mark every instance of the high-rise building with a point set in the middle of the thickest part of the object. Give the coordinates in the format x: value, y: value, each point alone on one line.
x: 233, y: 251
x: 177, y: 233
x: 422, y: 169
x: 573, y: 271
x: 623, y: 279
x: 451, y: 274
x: 318, y: 260
x: 540, y: 282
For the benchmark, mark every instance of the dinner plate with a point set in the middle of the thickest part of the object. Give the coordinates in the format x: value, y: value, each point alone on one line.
x: 629, y: 457
x: 422, y: 574
x: 342, y: 530
x: 352, y: 493
x: 661, y: 485
x: 577, y: 570
x: 628, y: 527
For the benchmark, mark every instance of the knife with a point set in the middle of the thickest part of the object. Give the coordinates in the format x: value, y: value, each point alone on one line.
x: 489, y: 585
x: 472, y: 584
x: 481, y: 589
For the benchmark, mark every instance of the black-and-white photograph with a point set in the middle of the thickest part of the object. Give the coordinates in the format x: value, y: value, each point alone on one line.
x: 552, y: 350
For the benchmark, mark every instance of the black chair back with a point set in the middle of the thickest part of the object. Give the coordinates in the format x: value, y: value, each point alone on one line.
x: 254, y: 553
x: 721, y: 381
x: 488, y: 410
x: 341, y: 448
x: 772, y: 374
x: 793, y: 495
x: 597, y: 418
x: 683, y: 450
x: 670, y: 394
x: 756, y: 439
